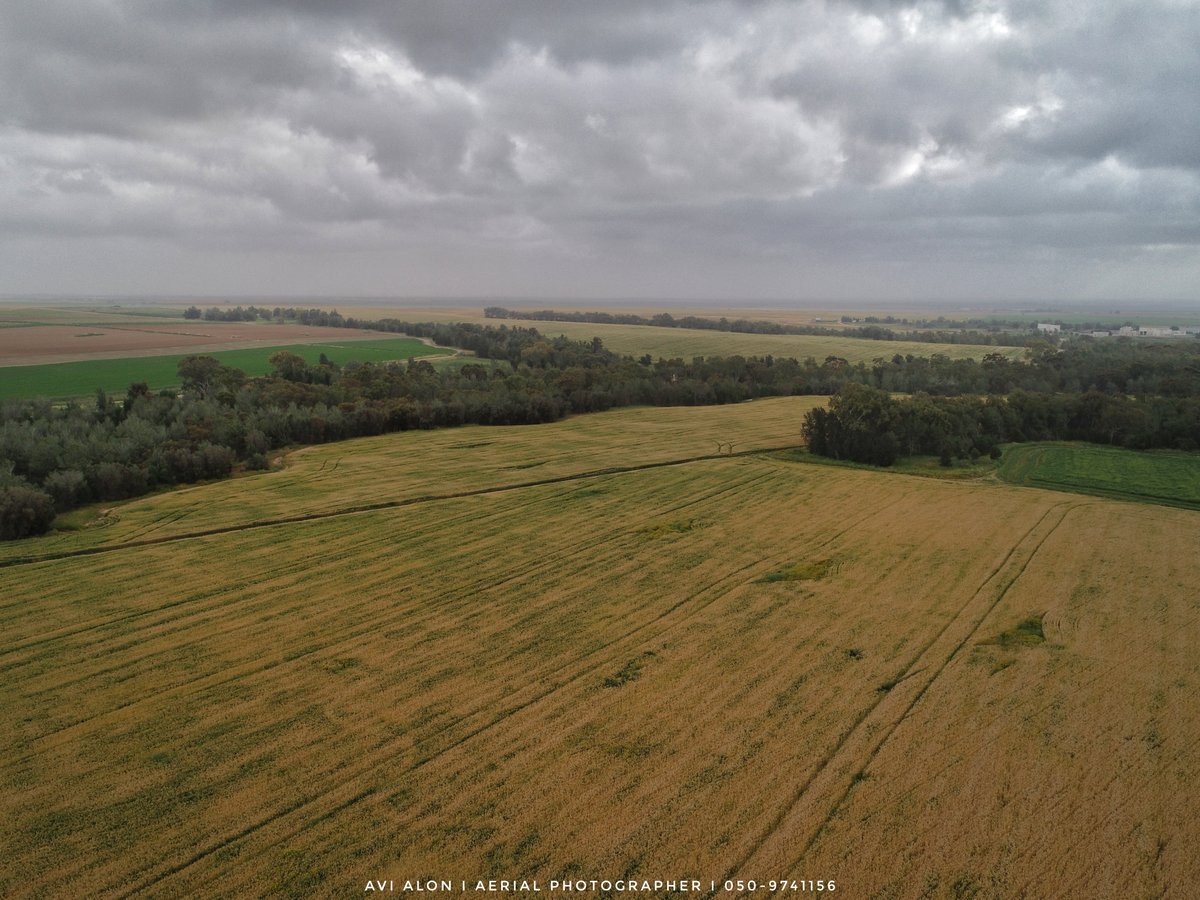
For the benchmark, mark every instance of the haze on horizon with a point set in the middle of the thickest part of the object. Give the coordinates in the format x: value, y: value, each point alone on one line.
x: 866, y: 150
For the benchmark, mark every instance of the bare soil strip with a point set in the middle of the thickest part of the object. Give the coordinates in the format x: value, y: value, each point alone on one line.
x: 45, y: 344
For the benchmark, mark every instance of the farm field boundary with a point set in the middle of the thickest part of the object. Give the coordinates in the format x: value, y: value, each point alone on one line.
x: 686, y: 343
x: 1155, y: 477
x: 1161, y: 477
x: 41, y: 343
x: 373, y: 507
x: 78, y: 379
x: 363, y: 471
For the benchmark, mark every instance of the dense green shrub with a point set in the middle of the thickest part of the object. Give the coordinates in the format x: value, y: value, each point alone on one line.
x: 24, y: 511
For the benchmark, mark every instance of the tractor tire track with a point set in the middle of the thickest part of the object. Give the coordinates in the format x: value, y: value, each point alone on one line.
x: 370, y: 626
x: 600, y: 658
x: 314, y: 517
x: 762, y: 564
x: 581, y: 548
x: 385, y: 750
x: 371, y: 507
x: 83, y: 628
x: 839, y: 756
x: 874, y: 753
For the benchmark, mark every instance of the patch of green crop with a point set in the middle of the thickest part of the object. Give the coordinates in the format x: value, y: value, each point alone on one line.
x: 1167, y: 477
x: 80, y: 379
x: 666, y: 529
x: 1026, y: 633
x: 631, y: 671
x: 814, y: 570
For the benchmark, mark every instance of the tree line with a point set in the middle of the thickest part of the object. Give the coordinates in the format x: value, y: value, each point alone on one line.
x: 865, y: 424
x: 54, y: 457
x: 995, y: 336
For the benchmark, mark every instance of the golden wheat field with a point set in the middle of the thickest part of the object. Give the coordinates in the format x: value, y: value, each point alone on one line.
x: 601, y: 665
x: 332, y: 478
x: 686, y: 343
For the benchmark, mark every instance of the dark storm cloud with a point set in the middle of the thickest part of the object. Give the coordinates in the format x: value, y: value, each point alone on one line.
x: 109, y: 69
x: 714, y: 142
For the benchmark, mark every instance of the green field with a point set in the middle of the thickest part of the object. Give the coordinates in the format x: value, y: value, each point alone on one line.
x: 77, y: 379
x: 1159, y: 476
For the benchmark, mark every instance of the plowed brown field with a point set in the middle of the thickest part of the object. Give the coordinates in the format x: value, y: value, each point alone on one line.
x: 39, y: 344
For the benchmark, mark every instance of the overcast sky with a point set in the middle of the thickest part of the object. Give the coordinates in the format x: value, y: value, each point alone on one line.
x: 741, y: 150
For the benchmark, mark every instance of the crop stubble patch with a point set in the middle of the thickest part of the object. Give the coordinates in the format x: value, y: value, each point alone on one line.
x: 1026, y: 633
x: 813, y: 570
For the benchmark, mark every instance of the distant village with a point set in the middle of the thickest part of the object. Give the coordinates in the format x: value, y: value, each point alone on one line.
x: 1155, y: 331
x: 1086, y: 329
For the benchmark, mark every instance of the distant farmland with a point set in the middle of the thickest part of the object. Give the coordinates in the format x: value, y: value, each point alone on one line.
x: 23, y: 315
x: 686, y: 343
x: 582, y: 650
x: 76, y: 379
x: 35, y: 343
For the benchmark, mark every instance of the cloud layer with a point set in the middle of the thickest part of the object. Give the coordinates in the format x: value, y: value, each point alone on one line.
x: 740, y: 150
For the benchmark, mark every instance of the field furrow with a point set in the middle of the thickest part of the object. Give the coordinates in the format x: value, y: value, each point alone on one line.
x: 395, y: 469
x: 742, y: 665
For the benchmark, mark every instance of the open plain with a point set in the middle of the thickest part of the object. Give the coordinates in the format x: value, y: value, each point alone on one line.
x: 879, y: 581
x: 601, y: 648
x: 63, y: 352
